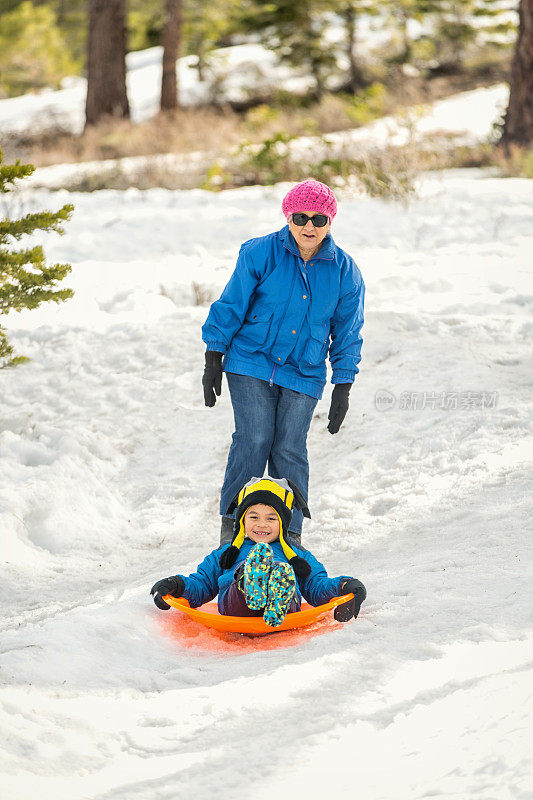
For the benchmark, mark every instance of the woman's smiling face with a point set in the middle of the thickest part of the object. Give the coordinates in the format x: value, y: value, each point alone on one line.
x: 261, y: 523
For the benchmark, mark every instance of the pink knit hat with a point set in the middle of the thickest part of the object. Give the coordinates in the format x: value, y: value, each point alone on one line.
x: 311, y: 197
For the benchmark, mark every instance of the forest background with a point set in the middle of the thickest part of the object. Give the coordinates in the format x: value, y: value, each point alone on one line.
x: 358, y: 60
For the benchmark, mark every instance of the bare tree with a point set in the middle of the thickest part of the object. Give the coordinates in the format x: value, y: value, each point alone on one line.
x: 106, y: 67
x: 171, y: 45
x: 518, y: 126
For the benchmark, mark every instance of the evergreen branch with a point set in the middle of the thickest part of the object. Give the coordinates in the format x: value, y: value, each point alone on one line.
x: 44, y: 220
x: 17, y: 299
x: 30, y: 289
x: 25, y: 279
x: 11, y: 260
x: 6, y: 353
x: 9, y: 173
x: 6, y: 350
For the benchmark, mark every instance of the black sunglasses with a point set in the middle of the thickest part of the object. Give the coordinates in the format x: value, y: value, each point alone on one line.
x: 318, y: 220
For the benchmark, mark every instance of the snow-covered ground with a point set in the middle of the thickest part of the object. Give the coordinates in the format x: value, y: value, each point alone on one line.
x: 109, y: 476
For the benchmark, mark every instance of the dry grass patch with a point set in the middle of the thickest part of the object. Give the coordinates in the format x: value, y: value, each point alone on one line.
x: 184, y: 131
x: 219, y: 129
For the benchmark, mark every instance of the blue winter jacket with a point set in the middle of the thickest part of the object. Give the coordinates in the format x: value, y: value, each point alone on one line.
x: 279, y: 315
x: 210, y: 579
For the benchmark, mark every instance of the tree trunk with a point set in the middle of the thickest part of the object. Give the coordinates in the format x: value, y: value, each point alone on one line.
x: 407, y: 45
x: 351, y: 25
x: 106, y: 67
x: 200, y: 66
x: 316, y: 72
x: 171, y: 44
x: 518, y: 126
x: 61, y: 10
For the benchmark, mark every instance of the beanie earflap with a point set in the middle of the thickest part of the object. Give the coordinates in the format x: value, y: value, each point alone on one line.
x: 228, y: 557
x: 300, y: 566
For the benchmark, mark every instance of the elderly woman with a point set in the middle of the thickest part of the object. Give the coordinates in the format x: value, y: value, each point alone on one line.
x: 293, y: 296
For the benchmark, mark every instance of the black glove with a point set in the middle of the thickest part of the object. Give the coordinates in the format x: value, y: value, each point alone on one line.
x: 174, y: 586
x: 339, y: 406
x: 346, y: 611
x: 212, y: 378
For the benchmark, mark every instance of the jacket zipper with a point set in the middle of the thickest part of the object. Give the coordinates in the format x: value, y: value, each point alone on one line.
x: 272, y: 376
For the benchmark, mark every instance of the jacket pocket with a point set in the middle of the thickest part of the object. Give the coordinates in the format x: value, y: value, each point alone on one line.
x: 317, y: 346
x: 254, y: 331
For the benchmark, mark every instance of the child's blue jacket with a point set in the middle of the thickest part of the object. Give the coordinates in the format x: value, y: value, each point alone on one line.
x: 210, y: 579
x: 278, y: 315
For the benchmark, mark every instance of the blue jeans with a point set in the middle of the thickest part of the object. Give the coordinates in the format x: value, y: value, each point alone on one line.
x: 271, y: 425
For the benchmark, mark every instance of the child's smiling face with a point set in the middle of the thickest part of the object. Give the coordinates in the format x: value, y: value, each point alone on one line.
x: 261, y: 523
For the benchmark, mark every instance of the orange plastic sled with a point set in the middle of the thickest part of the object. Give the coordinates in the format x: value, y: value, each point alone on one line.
x: 209, y: 616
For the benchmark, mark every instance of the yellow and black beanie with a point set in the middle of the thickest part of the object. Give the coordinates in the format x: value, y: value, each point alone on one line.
x: 282, y: 495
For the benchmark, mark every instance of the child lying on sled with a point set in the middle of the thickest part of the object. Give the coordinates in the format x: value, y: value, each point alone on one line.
x: 259, y: 573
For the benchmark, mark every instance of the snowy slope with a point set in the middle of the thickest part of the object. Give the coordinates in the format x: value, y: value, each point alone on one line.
x: 232, y: 73
x: 109, y: 476
x: 467, y: 118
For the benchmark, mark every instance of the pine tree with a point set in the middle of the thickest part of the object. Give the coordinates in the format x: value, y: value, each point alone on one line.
x: 206, y: 24
x: 402, y: 13
x: 106, y: 61
x: 518, y: 127
x: 26, y: 280
x: 459, y: 24
x: 171, y: 45
x: 350, y: 11
x: 296, y: 32
x: 33, y: 51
